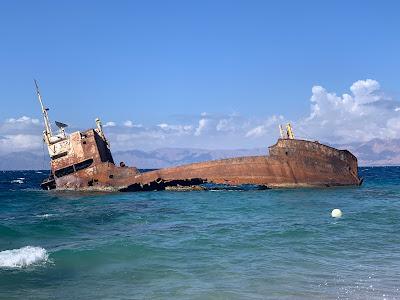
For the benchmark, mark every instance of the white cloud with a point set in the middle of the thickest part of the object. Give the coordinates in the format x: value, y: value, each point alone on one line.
x: 365, y: 91
x: 202, y: 126
x: 23, y: 120
x: 361, y: 114
x: 130, y: 124
x: 110, y: 124
x: 163, y: 126
x: 364, y: 114
x: 20, y: 142
x: 226, y: 125
x: 269, y: 125
x: 22, y: 125
x: 177, y: 129
x: 21, y: 134
x: 256, y: 131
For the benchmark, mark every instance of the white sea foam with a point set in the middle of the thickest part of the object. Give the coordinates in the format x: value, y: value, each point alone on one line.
x: 20, y: 181
x: 22, y: 257
x: 45, y: 216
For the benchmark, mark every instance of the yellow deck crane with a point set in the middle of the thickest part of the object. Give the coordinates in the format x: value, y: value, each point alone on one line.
x: 289, y: 132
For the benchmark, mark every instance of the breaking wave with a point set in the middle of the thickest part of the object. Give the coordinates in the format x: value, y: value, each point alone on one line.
x: 23, y: 257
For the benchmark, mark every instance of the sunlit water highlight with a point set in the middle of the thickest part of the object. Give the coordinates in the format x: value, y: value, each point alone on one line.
x: 274, y: 244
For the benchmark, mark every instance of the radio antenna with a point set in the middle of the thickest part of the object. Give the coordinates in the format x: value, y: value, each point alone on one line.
x: 48, y: 132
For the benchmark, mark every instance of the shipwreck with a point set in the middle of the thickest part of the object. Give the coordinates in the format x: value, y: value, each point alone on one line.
x: 82, y: 161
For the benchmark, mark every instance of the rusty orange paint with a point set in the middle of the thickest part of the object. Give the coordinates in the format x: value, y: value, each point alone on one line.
x: 289, y: 163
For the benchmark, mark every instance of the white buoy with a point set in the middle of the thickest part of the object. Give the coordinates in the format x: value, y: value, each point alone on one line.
x: 336, y: 213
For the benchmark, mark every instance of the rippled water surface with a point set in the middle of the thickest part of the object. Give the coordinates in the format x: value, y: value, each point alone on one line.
x: 274, y: 244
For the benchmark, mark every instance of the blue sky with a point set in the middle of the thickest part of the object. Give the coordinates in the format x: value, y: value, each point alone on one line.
x: 174, y: 62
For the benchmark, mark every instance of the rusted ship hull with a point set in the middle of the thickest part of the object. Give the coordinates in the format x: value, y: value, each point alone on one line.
x: 83, y: 161
x: 290, y: 163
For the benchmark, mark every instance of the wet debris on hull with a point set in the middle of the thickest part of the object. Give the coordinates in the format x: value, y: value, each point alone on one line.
x: 161, y: 185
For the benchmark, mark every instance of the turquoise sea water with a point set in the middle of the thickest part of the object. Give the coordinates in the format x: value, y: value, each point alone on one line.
x: 269, y: 244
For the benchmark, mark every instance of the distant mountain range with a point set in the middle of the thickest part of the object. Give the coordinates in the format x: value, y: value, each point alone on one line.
x: 373, y: 153
x: 24, y: 161
x: 376, y: 152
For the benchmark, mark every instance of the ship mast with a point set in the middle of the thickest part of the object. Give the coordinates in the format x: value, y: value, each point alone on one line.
x: 48, y: 132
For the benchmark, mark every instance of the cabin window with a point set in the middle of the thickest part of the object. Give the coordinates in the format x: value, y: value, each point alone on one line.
x: 59, y: 155
x: 71, y: 169
x: 64, y: 171
x: 83, y: 165
x: 111, y: 176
